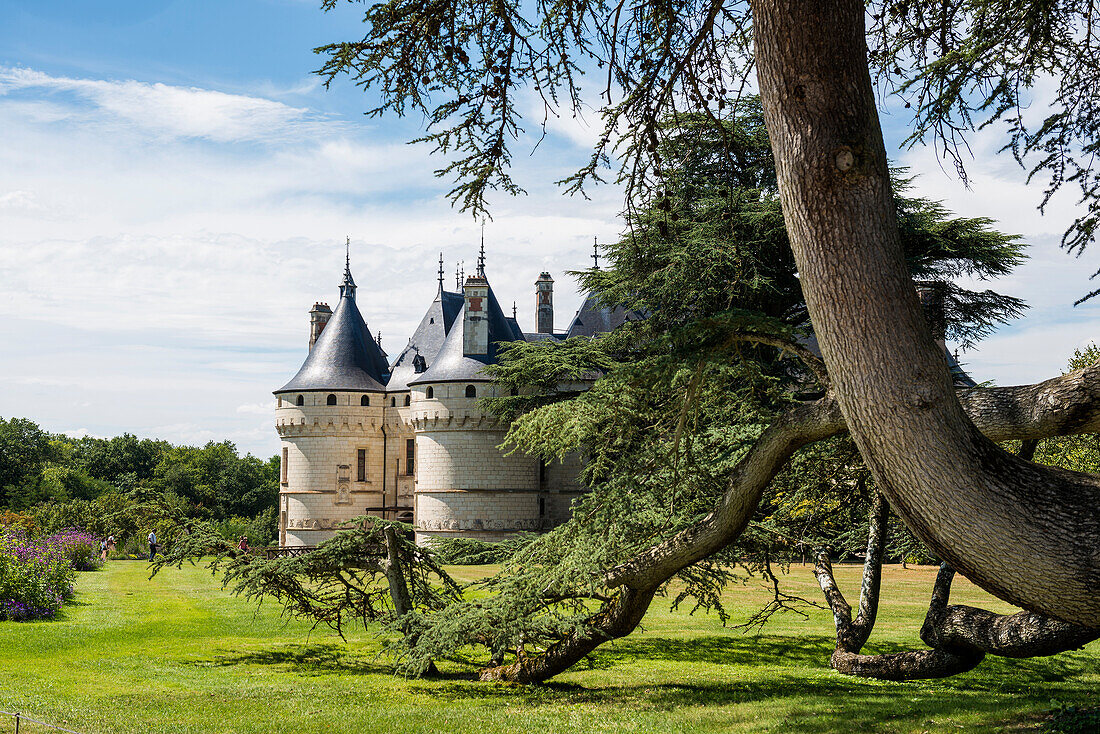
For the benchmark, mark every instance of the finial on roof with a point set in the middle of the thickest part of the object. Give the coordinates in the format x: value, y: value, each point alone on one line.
x: 347, y: 288
x: 458, y: 275
x: 440, y: 271
x: 513, y: 309
x: 378, y: 337
x: 595, y: 252
x: 481, y: 255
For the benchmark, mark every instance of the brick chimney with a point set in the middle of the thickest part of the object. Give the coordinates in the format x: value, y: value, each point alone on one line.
x: 475, y: 319
x: 544, y: 304
x: 318, y: 317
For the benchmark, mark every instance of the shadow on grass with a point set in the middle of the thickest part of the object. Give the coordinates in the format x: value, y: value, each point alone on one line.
x: 311, y: 659
x: 795, y: 672
x: 317, y: 659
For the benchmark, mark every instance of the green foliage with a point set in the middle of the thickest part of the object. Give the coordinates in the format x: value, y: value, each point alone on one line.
x: 473, y: 552
x: 685, y: 391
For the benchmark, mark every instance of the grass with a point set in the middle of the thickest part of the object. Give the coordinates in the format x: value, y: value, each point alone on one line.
x: 176, y: 654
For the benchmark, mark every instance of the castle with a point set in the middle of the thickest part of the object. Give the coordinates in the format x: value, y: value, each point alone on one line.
x: 409, y: 440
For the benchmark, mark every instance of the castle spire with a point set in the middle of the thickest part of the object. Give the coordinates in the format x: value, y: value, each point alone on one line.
x: 440, y: 272
x: 347, y: 288
x: 595, y: 253
x: 481, y: 254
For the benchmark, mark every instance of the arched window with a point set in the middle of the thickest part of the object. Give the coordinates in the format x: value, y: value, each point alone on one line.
x: 332, y: 400
x: 471, y: 391
x: 430, y: 393
x: 393, y: 402
x: 408, y: 399
x: 301, y: 400
x: 365, y: 400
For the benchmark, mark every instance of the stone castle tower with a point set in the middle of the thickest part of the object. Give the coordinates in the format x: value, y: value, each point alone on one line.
x: 410, y: 441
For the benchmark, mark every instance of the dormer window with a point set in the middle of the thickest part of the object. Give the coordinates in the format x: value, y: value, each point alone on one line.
x: 419, y: 364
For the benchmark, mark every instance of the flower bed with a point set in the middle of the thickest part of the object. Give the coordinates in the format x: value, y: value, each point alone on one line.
x: 36, y: 576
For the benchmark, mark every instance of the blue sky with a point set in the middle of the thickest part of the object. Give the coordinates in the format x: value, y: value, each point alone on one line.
x: 175, y: 189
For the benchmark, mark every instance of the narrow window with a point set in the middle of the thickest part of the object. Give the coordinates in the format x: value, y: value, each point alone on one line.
x: 471, y: 391
x: 365, y: 400
x: 430, y: 393
x: 542, y: 507
x: 410, y: 456
x: 408, y: 399
x: 301, y: 400
x: 393, y: 402
x: 332, y: 400
x: 361, y: 465
x: 283, y: 471
x: 542, y: 471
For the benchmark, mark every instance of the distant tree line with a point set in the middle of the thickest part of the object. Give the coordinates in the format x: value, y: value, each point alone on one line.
x: 120, y: 486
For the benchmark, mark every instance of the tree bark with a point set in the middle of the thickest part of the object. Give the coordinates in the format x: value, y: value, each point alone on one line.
x: 1027, y: 534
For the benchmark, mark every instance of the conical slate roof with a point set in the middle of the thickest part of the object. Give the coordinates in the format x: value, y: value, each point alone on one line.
x: 451, y: 365
x: 345, y: 355
x: 426, y: 341
x: 594, y: 318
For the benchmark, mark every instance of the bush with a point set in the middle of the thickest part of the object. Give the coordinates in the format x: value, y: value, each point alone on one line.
x: 35, y: 577
x: 81, y: 549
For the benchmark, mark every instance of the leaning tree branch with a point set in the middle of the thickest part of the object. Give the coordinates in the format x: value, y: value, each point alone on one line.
x: 1007, y: 413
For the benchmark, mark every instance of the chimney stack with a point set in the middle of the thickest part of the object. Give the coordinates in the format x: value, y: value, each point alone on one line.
x: 318, y: 317
x: 475, y: 318
x: 932, y: 295
x: 544, y: 304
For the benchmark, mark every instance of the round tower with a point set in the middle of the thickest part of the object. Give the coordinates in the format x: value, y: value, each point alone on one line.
x: 332, y: 461
x: 465, y: 484
x: 330, y: 418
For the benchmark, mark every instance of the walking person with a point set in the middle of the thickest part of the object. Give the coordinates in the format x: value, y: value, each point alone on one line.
x: 242, y: 544
x: 111, y: 545
x: 103, y: 550
x: 152, y: 544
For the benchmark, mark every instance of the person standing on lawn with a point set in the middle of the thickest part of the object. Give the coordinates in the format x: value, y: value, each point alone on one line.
x: 152, y: 544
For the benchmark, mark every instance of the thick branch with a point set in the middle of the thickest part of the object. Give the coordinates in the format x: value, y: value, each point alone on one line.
x: 797, y: 427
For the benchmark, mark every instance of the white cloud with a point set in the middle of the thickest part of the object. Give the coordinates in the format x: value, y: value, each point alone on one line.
x: 23, y: 201
x: 162, y: 286
x: 170, y: 111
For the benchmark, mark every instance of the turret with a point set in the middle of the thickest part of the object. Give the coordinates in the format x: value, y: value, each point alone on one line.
x: 544, y: 304
x: 475, y: 318
x: 318, y: 318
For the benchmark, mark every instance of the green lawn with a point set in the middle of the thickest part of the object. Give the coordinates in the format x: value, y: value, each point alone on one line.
x: 176, y: 654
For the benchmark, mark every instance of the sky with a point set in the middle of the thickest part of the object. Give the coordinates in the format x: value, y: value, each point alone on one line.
x: 176, y: 188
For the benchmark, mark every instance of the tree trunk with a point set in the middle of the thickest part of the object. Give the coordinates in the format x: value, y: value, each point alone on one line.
x: 1027, y: 534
